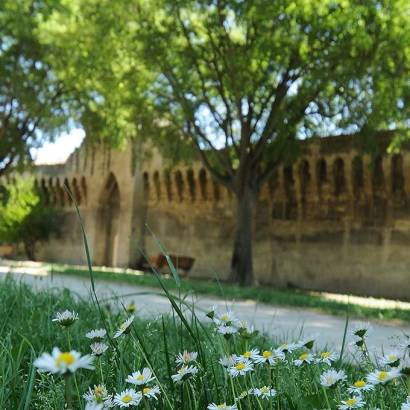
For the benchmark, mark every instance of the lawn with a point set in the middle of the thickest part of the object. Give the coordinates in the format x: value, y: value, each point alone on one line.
x: 273, y: 296
x: 226, y: 361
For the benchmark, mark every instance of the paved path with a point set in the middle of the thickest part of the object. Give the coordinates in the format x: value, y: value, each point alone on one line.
x: 280, y: 322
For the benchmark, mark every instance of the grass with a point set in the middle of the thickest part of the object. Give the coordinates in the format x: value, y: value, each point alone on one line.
x: 272, y: 296
x: 27, y: 330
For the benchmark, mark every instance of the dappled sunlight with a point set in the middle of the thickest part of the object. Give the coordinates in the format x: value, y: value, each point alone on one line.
x: 371, y: 302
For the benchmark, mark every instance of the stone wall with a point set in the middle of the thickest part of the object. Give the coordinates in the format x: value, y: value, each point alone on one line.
x: 333, y: 220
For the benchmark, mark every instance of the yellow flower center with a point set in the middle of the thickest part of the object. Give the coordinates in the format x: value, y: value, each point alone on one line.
x: 221, y: 406
x: 266, y: 354
x: 225, y: 317
x: 98, y: 392
x: 325, y: 355
x: 240, y: 366
x: 127, y: 398
x: 264, y: 390
x: 303, y: 356
x: 146, y: 390
x: 382, y: 375
x: 247, y: 355
x: 182, y: 370
x: 140, y: 377
x: 351, y: 402
x: 67, y: 358
x: 359, y: 384
x: 392, y: 357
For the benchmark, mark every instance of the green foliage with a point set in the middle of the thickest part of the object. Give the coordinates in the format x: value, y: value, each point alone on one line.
x: 31, y: 97
x: 24, y: 218
x: 241, y: 75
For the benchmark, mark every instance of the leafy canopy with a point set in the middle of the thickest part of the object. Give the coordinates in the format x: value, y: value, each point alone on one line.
x: 238, y: 80
x: 30, y: 95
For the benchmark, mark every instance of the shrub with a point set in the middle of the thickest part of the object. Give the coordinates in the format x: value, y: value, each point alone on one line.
x: 24, y: 218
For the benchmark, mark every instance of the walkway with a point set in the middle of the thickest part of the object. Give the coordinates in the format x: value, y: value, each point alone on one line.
x: 280, y: 322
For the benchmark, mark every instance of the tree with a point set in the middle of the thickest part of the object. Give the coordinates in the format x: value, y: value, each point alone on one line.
x: 239, y: 81
x: 30, y: 95
x: 24, y: 218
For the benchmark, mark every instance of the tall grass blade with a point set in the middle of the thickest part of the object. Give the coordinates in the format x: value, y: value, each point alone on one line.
x: 161, y: 247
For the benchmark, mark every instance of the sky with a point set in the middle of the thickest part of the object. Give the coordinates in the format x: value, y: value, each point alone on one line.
x: 59, y: 150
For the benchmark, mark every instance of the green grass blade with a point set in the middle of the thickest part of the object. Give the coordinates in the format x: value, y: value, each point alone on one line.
x: 161, y: 247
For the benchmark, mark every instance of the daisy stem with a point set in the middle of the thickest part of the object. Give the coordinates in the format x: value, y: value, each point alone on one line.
x: 68, y: 392
x: 233, y: 391
x: 256, y: 397
x: 101, y: 370
x: 326, y: 398
x: 193, y: 394
x: 69, y: 348
x: 146, y: 404
x: 189, y: 396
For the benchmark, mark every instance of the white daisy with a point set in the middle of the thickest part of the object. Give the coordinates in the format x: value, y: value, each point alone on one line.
x: 240, y: 368
x: 331, y: 377
x: 222, y: 406
x: 227, y: 361
x: 97, y: 334
x: 98, y: 348
x: 308, y: 342
x: 98, y: 397
x: 327, y: 357
x: 185, y: 372
x: 288, y: 347
x: 227, y: 330
x: 354, y: 402
x: 186, y: 357
x: 98, y: 393
x: 264, y: 392
x: 270, y: 356
x: 227, y: 318
x: 125, y: 327
x: 65, y: 318
x: 304, y: 358
x: 390, y: 359
x: 63, y: 362
x: 252, y: 354
x: 383, y: 376
x: 140, y: 378
x: 245, y: 330
x: 360, y: 386
x: 127, y: 398
x: 150, y: 392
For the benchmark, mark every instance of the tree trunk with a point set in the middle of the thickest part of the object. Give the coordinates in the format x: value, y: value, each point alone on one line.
x: 242, y: 264
x: 29, y: 248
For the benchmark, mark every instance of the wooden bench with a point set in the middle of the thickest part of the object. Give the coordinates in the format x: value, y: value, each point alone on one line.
x: 183, y: 264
